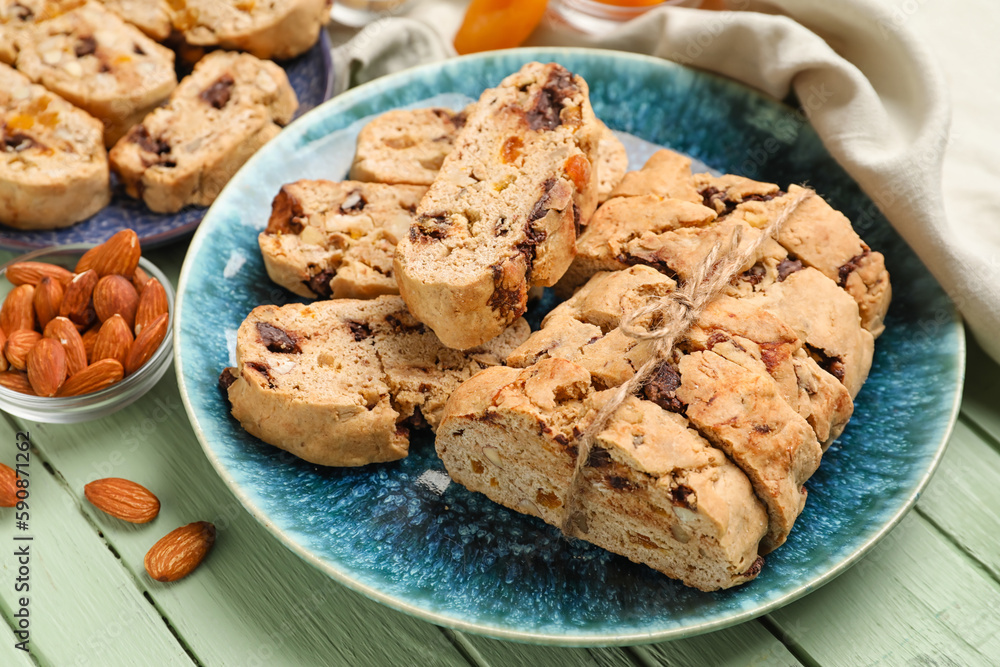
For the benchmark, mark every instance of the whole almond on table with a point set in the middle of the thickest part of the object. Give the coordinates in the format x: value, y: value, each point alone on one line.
x: 18, y: 345
x: 95, y: 377
x: 114, y: 340
x: 86, y: 261
x: 18, y: 310
x: 46, y: 367
x: 123, y: 499
x: 152, y: 304
x: 76, y: 303
x: 32, y: 273
x: 16, y: 381
x: 119, y: 254
x: 146, y: 343
x: 179, y: 552
x: 48, y: 297
x: 8, y: 486
x: 115, y: 294
x: 64, y: 331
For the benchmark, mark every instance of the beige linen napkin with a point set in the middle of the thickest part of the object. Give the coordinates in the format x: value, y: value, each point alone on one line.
x: 870, y: 88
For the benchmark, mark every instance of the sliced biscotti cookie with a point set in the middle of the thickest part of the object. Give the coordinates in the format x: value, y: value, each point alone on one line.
x: 406, y: 146
x: 18, y: 15
x: 757, y: 410
x: 409, y: 146
x: 185, y: 152
x: 336, y: 240
x: 53, y: 166
x: 265, y: 29
x: 93, y: 59
x: 153, y: 17
x: 653, y: 489
x: 503, y: 212
x: 340, y: 383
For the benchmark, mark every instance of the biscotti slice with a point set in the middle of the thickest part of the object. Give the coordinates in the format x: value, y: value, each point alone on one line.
x: 336, y: 240
x: 747, y: 410
x: 153, y: 17
x: 53, y: 166
x: 409, y: 146
x: 93, y: 59
x: 16, y: 16
x: 340, y: 383
x: 503, y: 212
x: 265, y: 29
x: 185, y: 153
x: 406, y: 146
x: 653, y: 490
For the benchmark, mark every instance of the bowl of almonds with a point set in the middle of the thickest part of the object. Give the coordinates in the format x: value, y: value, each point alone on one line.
x: 84, y: 330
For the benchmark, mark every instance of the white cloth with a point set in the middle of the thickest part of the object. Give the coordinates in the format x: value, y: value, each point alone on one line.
x: 871, y: 88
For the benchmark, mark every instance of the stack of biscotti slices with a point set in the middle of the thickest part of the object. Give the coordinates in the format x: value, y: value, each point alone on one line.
x: 185, y: 152
x: 402, y: 150
x: 53, y: 166
x: 766, y: 376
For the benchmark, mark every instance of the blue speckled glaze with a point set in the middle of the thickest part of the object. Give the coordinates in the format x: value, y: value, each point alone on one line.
x: 310, y: 75
x: 454, y: 557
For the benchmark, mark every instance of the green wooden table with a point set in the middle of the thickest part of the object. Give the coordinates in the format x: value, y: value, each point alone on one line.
x: 929, y: 594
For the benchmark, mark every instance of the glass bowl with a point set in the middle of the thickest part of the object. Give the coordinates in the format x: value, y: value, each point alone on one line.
x: 72, y: 409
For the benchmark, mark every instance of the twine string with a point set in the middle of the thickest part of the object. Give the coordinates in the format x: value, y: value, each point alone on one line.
x: 662, y: 322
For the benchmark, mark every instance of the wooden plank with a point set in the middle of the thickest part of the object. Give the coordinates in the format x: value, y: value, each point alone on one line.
x: 82, y: 602
x: 252, y: 602
x: 915, y: 599
x: 981, y: 399
x: 486, y: 652
x: 746, y: 644
x: 10, y: 656
x: 963, y: 498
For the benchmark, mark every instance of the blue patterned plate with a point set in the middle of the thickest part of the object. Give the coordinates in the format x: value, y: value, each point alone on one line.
x: 403, y: 535
x: 311, y: 77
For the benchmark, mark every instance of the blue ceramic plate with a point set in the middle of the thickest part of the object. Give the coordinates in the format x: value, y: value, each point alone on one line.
x: 311, y: 77
x: 403, y: 535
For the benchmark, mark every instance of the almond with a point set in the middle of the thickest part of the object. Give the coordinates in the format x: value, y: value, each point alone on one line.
x: 115, y: 295
x: 119, y: 254
x: 89, y: 338
x: 48, y: 297
x: 179, y: 552
x: 8, y: 486
x: 18, y: 345
x: 16, y: 381
x: 31, y: 273
x: 146, y: 343
x: 46, y: 367
x: 123, y: 499
x: 76, y: 303
x: 4, y: 365
x: 139, y: 279
x: 95, y: 377
x: 64, y: 331
x: 152, y: 304
x: 18, y: 310
x: 114, y: 340
x: 86, y: 261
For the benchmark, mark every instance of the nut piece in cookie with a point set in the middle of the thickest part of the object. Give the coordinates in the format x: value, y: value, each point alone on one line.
x: 336, y: 240
x: 185, y: 152
x: 340, y: 383
x: 503, y: 212
x: 96, y: 61
x: 53, y: 166
x: 653, y: 489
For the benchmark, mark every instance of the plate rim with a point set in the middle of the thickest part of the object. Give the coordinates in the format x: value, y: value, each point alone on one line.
x: 589, y: 639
